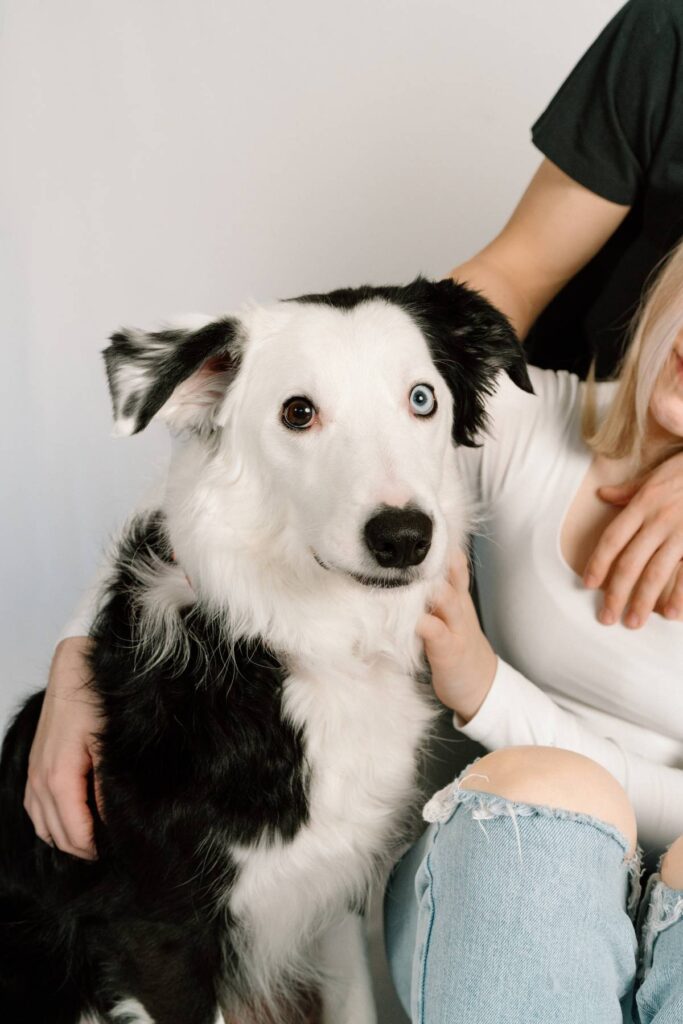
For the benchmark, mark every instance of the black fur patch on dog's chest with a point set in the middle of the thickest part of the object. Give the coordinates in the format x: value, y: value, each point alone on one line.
x: 196, y: 753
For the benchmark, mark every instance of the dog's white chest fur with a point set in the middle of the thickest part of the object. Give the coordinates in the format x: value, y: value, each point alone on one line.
x: 362, y: 724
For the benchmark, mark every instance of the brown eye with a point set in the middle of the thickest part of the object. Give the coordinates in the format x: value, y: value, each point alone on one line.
x: 298, y: 413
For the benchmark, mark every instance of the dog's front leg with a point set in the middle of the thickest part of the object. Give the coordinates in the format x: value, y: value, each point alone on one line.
x: 346, y: 989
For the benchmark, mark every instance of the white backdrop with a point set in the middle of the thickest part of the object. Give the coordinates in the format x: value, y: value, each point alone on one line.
x: 165, y: 156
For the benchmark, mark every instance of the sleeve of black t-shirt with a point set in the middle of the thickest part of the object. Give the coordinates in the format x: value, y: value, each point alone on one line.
x: 606, y: 120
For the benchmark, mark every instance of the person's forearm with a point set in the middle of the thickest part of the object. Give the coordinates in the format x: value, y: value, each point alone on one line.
x: 556, y: 228
x: 483, y: 274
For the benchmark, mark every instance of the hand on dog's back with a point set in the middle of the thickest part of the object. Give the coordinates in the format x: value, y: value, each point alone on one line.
x: 63, y: 755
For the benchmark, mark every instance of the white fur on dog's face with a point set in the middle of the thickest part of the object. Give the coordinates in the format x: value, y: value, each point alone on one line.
x: 366, y: 447
x: 261, y: 515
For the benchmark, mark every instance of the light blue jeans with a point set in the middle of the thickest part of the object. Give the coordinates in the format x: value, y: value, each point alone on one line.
x: 508, y: 913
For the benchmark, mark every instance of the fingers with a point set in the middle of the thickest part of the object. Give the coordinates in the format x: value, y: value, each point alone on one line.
x: 626, y: 573
x: 60, y: 814
x: 452, y: 606
x: 459, y: 571
x: 640, y: 574
x: 433, y: 631
x: 56, y: 829
x: 99, y: 798
x: 451, y: 612
x: 32, y: 808
x: 619, y: 494
x: 653, y: 581
x: 75, y: 819
x: 640, y: 551
x: 673, y: 606
x: 670, y: 601
x: 613, y: 540
x: 450, y: 609
x: 60, y: 760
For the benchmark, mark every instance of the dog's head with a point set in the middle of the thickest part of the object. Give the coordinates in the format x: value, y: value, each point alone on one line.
x: 344, y: 407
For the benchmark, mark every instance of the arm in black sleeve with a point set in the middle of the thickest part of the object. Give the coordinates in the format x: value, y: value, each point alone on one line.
x: 606, y: 122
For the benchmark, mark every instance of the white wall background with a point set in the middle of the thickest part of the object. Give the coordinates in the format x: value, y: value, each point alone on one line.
x: 161, y: 156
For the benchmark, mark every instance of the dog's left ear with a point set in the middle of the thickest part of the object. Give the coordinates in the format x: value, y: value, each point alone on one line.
x: 471, y: 343
x: 180, y: 374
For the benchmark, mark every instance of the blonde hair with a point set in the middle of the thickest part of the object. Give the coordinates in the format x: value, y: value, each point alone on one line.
x: 652, y: 334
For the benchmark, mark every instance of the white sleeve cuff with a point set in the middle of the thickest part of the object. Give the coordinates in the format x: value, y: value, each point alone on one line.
x: 483, y: 724
x: 515, y: 712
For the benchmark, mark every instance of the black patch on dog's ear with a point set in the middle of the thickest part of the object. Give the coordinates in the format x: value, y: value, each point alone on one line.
x: 194, y: 368
x: 471, y: 343
x: 470, y: 340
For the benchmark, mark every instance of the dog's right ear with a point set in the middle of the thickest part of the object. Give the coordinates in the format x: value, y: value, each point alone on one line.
x: 180, y: 374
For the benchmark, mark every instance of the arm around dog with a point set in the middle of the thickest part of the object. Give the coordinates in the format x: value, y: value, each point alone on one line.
x: 64, y: 752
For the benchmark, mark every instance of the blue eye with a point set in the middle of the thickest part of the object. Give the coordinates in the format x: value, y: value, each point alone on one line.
x: 423, y: 400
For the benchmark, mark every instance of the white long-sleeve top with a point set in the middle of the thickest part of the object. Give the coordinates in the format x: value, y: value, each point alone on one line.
x: 563, y: 679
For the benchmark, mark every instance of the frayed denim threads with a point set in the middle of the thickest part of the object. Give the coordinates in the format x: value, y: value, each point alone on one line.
x: 485, y: 806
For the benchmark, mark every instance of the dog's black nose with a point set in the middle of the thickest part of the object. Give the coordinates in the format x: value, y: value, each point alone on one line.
x: 398, y: 537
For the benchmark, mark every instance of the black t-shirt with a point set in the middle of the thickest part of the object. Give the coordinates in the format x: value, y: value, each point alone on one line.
x: 616, y: 127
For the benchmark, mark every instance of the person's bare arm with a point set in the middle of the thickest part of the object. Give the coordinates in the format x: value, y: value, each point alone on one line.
x: 556, y: 228
x: 64, y: 752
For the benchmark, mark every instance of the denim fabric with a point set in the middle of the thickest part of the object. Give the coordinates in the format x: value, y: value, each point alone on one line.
x: 660, y: 994
x: 508, y: 913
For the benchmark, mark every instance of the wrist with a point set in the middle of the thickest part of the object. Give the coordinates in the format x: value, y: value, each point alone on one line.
x: 467, y: 701
x: 70, y: 669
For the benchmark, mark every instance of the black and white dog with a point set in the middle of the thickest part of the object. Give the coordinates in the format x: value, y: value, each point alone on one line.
x: 256, y: 657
